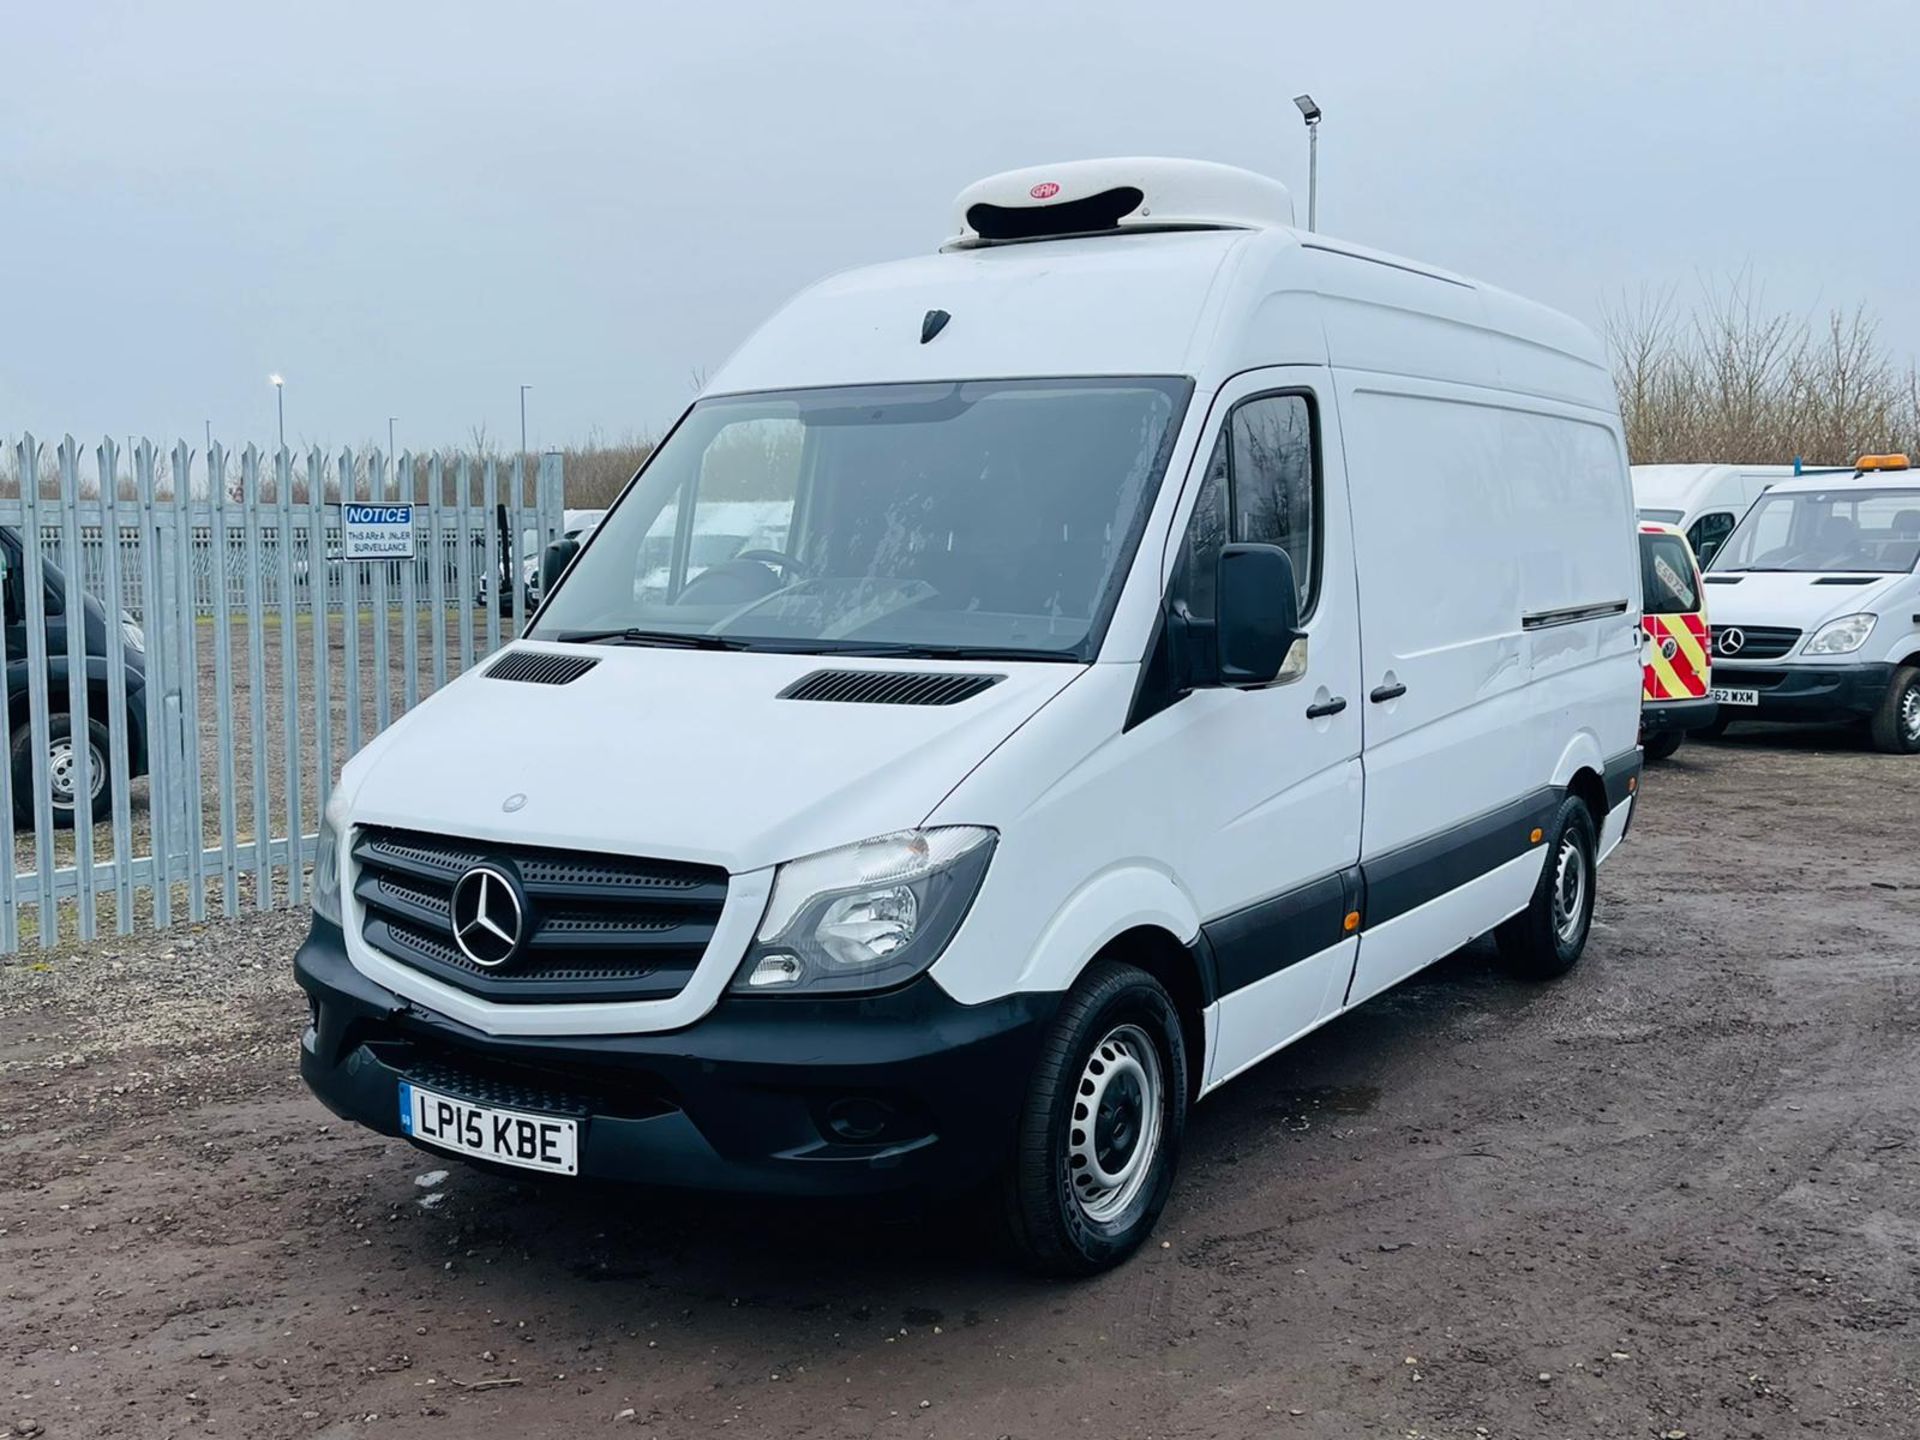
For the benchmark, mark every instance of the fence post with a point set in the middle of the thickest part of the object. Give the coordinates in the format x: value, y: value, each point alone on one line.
x: 80, y: 752
x: 192, y: 808
x: 317, y: 557
x: 407, y: 487
x: 289, y: 669
x: 160, y: 753
x: 39, y: 718
x: 498, y: 569
x: 437, y: 575
x: 119, y: 717
x: 256, y: 681
x: 463, y: 559
x: 379, y: 490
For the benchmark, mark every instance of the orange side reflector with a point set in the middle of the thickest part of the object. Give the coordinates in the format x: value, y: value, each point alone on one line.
x: 1352, y: 922
x: 1633, y: 782
x: 1535, y: 837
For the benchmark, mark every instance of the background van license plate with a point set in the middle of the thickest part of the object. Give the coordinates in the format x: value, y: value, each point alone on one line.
x: 506, y: 1137
x: 1736, y: 697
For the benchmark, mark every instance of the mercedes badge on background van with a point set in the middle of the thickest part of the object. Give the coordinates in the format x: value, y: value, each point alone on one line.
x: 1177, y: 628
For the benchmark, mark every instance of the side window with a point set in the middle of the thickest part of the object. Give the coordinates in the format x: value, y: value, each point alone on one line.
x: 9, y: 598
x: 1260, y: 487
x: 1709, y: 533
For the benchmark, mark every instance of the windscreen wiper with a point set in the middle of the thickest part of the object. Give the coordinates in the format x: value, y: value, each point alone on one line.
x: 632, y: 635
x: 905, y: 650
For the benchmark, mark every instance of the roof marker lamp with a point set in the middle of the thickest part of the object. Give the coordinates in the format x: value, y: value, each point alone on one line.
x: 867, y: 916
x: 1840, y: 637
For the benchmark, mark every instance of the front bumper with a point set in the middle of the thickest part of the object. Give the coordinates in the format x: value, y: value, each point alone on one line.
x: 1661, y: 717
x: 836, y: 1096
x: 1805, y: 692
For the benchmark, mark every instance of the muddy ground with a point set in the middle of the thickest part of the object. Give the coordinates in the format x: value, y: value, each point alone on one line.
x: 1677, y: 1192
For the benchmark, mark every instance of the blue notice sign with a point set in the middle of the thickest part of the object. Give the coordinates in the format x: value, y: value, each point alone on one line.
x: 376, y: 532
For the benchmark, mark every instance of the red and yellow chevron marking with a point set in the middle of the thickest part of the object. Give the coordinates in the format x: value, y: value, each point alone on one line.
x: 1683, y: 675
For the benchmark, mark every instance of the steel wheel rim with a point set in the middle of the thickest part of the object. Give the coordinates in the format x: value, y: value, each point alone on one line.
x: 62, y: 762
x: 1569, y: 890
x: 1910, y: 714
x: 1113, y: 1133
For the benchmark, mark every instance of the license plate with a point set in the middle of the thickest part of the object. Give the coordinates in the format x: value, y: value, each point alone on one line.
x: 1736, y: 697
x: 507, y: 1137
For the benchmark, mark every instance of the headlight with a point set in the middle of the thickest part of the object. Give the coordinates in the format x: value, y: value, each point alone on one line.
x: 866, y: 916
x: 326, y: 867
x: 1840, y: 637
x: 131, y: 635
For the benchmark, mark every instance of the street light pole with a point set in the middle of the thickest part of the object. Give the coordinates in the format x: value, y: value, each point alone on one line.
x: 523, y: 422
x: 280, y: 403
x: 1310, y: 112
x: 390, y: 450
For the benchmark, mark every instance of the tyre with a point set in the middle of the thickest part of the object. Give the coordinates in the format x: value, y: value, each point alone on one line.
x: 1895, y: 726
x: 62, y: 772
x: 1545, y: 940
x: 1099, y: 1132
x: 1662, y: 746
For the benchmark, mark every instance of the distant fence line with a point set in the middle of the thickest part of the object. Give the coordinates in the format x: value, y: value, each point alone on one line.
x: 206, y: 740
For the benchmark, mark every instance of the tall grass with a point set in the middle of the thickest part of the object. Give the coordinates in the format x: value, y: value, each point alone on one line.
x: 1731, y: 379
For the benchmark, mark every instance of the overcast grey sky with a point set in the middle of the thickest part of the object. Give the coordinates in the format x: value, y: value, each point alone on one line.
x: 411, y: 209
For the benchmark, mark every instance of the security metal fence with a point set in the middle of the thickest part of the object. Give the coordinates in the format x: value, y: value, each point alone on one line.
x: 234, y: 656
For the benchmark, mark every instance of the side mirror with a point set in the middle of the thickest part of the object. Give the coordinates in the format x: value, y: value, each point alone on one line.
x: 558, y: 556
x: 1259, y: 614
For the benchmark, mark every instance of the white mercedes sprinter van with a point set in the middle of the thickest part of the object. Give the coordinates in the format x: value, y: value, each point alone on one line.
x: 1816, y: 606
x: 1179, y: 629
x: 1705, y: 501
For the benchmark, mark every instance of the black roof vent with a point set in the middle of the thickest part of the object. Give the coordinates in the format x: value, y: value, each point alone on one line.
x: 1846, y: 579
x: 1093, y: 213
x: 888, y: 687
x: 540, y: 667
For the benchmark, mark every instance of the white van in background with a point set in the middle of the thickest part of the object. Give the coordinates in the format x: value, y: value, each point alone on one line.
x: 1815, y: 605
x: 1175, y: 629
x: 1704, y: 501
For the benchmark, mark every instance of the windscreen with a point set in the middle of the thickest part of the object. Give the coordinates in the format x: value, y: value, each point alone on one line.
x: 1666, y: 576
x: 1857, y: 530
x: 989, y: 518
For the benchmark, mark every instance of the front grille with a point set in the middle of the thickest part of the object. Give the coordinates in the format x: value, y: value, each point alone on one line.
x: 1757, y: 642
x: 596, y: 927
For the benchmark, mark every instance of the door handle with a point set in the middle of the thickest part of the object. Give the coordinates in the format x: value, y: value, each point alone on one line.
x: 1383, y: 693
x: 1327, y: 707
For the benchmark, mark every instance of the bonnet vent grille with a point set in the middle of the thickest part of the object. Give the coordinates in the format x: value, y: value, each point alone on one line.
x: 538, y: 667
x: 888, y: 687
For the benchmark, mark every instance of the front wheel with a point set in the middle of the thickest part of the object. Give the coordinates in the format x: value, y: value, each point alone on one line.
x: 1895, y: 726
x: 1099, y: 1132
x: 1545, y: 939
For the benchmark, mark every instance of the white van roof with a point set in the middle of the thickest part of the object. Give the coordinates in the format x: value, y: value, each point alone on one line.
x: 1233, y: 288
x: 1675, y: 486
x: 1852, y: 480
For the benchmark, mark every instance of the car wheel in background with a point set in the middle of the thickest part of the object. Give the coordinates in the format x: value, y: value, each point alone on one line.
x: 1895, y: 726
x: 62, y: 772
x: 1099, y: 1132
x: 1546, y: 939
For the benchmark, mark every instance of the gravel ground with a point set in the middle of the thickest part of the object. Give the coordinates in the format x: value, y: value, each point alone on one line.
x: 1673, y: 1194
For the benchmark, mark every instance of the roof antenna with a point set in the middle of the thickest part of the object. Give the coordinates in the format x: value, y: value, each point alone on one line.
x: 932, y: 324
